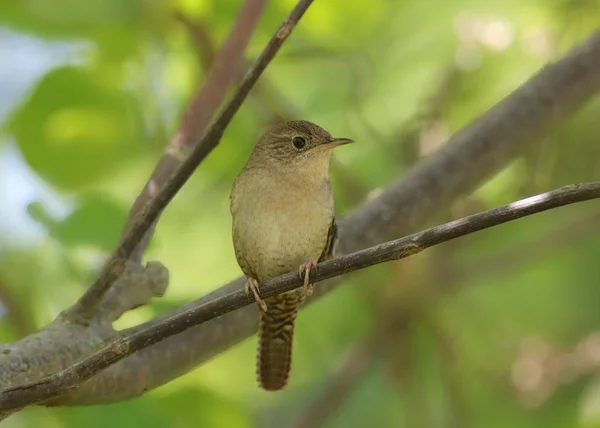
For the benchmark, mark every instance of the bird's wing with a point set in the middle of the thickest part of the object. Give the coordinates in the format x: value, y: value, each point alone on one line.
x: 332, y: 235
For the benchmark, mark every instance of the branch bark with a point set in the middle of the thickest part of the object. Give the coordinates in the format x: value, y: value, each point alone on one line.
x: 60, y: 383
x: 469, y: 158
x: 139, y: 227
x: 202, y: 107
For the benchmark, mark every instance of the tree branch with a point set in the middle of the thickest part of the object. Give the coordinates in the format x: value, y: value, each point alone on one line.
x: 482, y: 148
x: 113, y: 268
x: 467, y: 160
x: 60, y: 383
x: 262, y: 90
x: 201, y: 108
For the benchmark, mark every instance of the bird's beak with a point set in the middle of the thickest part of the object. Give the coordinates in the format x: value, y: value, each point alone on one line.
x: 334, y: 142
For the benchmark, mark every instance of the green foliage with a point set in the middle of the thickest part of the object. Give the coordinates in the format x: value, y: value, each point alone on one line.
x: 204, y: 408
x: 107, y: 216
x: 88, y: 126
x: 460, y: 321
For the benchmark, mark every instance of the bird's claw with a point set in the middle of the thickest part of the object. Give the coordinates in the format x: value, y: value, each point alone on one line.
x: 304, y: 272
x: 252, y: 286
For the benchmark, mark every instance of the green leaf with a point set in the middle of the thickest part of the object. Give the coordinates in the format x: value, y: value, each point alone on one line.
x: 204, y: 408
x: 97, y: 221
x: 60, y: 18
x: 73, y: 129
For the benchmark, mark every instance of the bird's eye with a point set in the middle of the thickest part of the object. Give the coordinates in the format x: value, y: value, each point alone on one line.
x: 298, y: 142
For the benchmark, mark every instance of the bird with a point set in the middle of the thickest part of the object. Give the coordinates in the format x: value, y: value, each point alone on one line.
x: 283, y: 219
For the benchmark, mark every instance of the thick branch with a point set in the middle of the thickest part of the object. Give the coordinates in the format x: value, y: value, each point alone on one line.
x: 60, y: 383
x: 484, y: 147
x: 205, y: 101
x: 202, y: 107
x: 151, y: 211
x: 469, y: 158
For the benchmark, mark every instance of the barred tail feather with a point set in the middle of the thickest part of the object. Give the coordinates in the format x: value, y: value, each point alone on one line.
x: 276, y: 333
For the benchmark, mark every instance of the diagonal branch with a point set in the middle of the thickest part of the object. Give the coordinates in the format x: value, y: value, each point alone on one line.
x: 62, y: 382
x: 483, y: 147
x: 202, y: 106
x: 113, y: 268
x: 468, y: 159
x: 280, y: 110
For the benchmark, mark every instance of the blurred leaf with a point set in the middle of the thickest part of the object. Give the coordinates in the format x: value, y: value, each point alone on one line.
x: 589, y: 406
x: 360, y: 69
x: 73, y: 129
x: 144, y: 412
x: 69, y: 17
x: 97, y: 221
x: 187, y: 408
x: 204, y: 409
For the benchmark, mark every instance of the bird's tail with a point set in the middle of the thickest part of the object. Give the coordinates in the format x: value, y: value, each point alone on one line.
x: 276, y: 333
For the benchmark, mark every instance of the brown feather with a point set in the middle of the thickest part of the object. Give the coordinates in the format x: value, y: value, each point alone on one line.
x: 276, y: 334
x: 283, y: 216
x: 276, y: 329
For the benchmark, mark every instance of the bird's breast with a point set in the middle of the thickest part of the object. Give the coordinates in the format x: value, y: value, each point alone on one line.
x: 277, y: 226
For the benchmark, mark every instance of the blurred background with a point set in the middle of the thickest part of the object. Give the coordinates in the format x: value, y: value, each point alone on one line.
x: 497, y: 329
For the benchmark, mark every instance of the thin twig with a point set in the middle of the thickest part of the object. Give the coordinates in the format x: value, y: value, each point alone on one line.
x: 204, y: 102
x: 67, y: 379
x: 470, y: 157
x: 262, y: 90
x: 113, y: 268
x: 201, y: 108
x: 274, y: 104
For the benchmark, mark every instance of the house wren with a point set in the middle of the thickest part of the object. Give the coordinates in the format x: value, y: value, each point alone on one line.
x: 283, y: 220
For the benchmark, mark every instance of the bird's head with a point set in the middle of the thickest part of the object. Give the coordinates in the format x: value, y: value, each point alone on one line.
x: 298, y: 142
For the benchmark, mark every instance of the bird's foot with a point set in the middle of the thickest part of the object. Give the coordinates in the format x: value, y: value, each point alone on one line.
x: 252, y: 286
x: 304, y: 272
